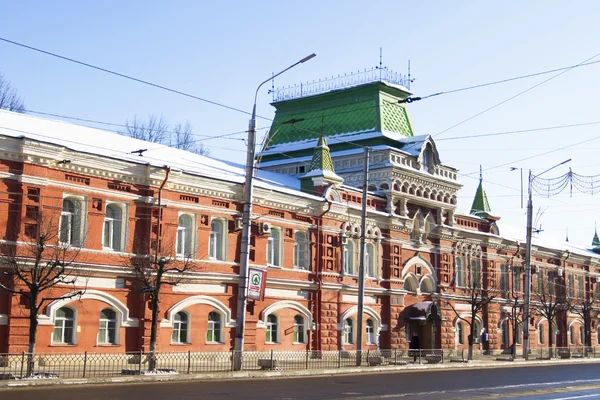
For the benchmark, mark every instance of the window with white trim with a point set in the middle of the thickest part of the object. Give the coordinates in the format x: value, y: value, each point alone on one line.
x: 348, y: 258
x: 460, y: 271
x: 476, y: 332
x: 370, y: 332
x: 516, y: 279
x: 64, y: 324
x: 108, y: 327
x: 181, y: 322
x: 213, y: 334
x: 348, y: 332
x: 299, y: 332
x: 112, y: 237
x: 274, y: 248
x: 505, y: 332
x: 460, y: 333
x: 580, y: 287
x: 519, y: 333
x: 581, y: 335
x: 272, y: 327
x: 370, y: 260
x: 71, y: 222
x: 504, y: 277
x: 571, y: 286
x: 572, y: 334
x: 300, y: 250
x: 541, y: 334
x: 216, y: 244
x: 185, y: 235
x: 475, y: 273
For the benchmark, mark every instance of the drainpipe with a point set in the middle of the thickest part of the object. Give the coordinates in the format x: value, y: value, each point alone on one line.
x: 158, y: 228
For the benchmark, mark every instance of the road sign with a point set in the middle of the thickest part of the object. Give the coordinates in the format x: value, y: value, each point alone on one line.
x: 256, y: 283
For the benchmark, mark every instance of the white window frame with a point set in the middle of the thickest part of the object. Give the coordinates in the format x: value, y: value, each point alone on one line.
x: 460, y: 333
x: 185, y: 235
x: 349, y: 258
x: 299, y: 329
x: 460, y: 271
x: 272, y: 331
x: 72, y: 226
x: 214, y: 327
x: 370, y: 260
x: 111, y: 222
x: 275, y: 248
x: 348, y: 331
x: 370, y: 331
x: 105, y: 326
x: 217, y: 240
x: 63, y: 326
x: 177, y: 328
x: 572, y: 334
x: 505, y: 333
x: 504, y: 283
x: 301, y: 250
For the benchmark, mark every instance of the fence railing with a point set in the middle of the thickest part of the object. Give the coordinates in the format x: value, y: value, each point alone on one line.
x: 92, y: 365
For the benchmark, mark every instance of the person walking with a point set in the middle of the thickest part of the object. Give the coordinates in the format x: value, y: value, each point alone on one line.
x: 415, y: 346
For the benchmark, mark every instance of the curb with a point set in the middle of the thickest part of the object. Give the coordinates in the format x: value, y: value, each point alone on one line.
x: 476, y: 364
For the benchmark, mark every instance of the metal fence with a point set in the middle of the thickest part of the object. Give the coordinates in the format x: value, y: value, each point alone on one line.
x: 92, y: 365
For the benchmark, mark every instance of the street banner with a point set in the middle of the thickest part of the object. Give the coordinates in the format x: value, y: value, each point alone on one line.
x: 256, y: 283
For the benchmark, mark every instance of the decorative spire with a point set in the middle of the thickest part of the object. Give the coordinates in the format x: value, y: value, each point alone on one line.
x: 567, y: 236
x: 480, y: 207
x: 596, y: 240
x: 320, y: 172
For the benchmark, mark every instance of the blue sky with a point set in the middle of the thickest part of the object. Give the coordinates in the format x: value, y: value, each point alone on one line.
x: 222, y: 50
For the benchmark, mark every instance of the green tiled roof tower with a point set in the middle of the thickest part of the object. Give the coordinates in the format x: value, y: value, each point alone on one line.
x: 347, y: 112
x: 480, y: 207
x: 596, y: 240
x: 321, y: 170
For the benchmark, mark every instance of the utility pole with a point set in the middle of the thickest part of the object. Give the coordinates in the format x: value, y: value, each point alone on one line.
x: 246, y: 225
x: 361, y: 264
x: 528, y: 260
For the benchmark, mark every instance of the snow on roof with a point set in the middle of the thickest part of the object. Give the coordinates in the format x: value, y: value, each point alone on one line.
x: 112, y: 145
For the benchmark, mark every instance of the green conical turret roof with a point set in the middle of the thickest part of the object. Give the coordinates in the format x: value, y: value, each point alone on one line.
x: 480, y: 207
x: 596, y: 240
x: 321, y: 167
x: 321, y: 157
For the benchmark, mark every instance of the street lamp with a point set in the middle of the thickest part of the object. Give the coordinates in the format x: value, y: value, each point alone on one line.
x: 245, y: 244
x: 528, y: 260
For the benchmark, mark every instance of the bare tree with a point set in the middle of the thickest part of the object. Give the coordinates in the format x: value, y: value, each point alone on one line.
x: 548, y: 299
x: 150, y: 274
x: 9, y: 99
x: 584, y: 305
x: 153, y: 130
x: 479, y: 295
x: 34, y: 269
x: 157, y: 130
x: 183, y: 138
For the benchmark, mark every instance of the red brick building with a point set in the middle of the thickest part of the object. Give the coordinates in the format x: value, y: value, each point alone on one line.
x: 110, y: 205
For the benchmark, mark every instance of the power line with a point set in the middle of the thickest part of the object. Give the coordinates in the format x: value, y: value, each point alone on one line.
x: 108, y: 71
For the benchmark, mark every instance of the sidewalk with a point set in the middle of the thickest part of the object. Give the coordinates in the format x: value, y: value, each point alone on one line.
x: 480, y: 362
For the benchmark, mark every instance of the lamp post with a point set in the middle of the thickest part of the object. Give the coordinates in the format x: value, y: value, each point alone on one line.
x: 246, y: 225
x: 528, y: 260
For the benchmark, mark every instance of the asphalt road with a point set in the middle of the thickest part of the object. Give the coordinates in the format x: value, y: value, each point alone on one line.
x: 574, y: 381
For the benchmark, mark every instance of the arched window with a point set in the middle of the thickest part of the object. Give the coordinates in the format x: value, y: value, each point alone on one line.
x: 271, y: 329
x: 108, y: 327
x: 370, y: 332
x: 541, y: 334
x: 427, y: 286
x: 505, y: 333
x: 274, y: 248
x: 299, y: 329
x: 64, y: 321
x: 216, y: 244
x: 213, y: 334
x: 348, y: 258
x: 180, y: 328
x: 348, y: 332
x: 300, y: 250
x: 184, y: 236
x: 460, y: 333
x: 113, y: 223
x: 418, y: 227
x: 410, y: 284
x: 581, y: 335
x: 572, y: 334
x: 71, y: 222
x: 428, y: 159
x: 370, y: 260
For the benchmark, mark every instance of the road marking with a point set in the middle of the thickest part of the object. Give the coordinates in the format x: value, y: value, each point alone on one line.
x: 577, y: 397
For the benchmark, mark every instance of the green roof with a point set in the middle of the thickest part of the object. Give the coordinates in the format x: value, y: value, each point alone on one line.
x: 596, y: 240
x: 371, y: 107
x: 481, y: 206
x: 321, y: 157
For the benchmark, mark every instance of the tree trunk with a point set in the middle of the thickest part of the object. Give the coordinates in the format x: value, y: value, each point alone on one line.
x: 470, y: 340
x: 33, y: 324
x: 153, y: 333
x: 550, y: 337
